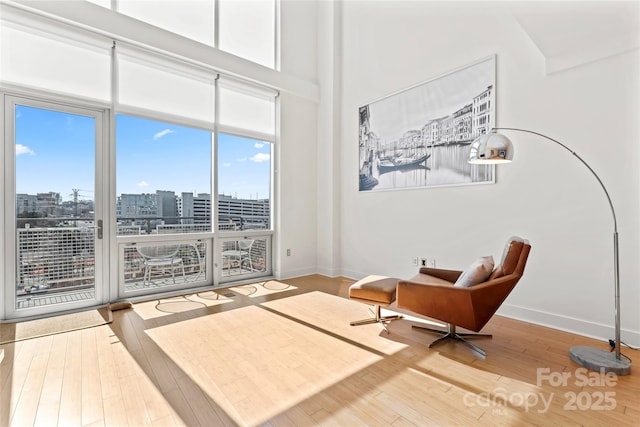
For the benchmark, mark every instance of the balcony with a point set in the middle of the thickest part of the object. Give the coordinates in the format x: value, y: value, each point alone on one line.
x: 57, y: 264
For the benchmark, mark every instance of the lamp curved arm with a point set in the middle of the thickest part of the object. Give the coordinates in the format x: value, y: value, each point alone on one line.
x: 606, y: 193
x: 616, y: 270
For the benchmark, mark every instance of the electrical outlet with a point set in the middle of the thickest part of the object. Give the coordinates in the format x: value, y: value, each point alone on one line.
x: 427, y: 262
x: 288, y: 252
x: 415, y: 261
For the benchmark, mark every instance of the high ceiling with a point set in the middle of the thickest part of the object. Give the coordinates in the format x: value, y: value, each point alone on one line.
x: 571, y: 33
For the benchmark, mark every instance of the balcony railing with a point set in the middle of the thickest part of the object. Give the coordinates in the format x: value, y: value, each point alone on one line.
x: 193, y: 224
x: 52, y: 261
x: 57, y: 264
x: 163, y: 264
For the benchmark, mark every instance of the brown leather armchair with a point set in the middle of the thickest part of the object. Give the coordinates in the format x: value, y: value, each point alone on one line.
x: 432, y: 293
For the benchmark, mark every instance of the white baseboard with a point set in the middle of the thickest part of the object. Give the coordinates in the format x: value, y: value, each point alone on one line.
x: 329, y: 272
x: 289, y: 274
x: 551, y: 320
x: 353, y: 275
x: 569, y: 324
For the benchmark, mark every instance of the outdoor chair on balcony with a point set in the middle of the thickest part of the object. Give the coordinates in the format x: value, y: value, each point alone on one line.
x: 161, y: 258
x: 238, y: 256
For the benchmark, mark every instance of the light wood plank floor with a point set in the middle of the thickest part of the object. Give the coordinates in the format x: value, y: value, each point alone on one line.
x: 283, y: 354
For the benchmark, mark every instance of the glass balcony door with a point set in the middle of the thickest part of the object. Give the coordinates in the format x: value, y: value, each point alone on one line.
x: 54, y: 220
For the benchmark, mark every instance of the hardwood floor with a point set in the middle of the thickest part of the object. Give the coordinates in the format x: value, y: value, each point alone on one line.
x: 283, y: 354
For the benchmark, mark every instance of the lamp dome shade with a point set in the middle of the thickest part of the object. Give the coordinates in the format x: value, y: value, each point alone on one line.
x: 491, y: 148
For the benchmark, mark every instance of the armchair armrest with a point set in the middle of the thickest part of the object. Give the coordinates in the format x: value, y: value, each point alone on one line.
x: 439, y: 301
x: 448, y: 275
x: 469, y: 308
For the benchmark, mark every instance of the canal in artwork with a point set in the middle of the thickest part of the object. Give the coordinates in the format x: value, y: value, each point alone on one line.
x: 445, y: 165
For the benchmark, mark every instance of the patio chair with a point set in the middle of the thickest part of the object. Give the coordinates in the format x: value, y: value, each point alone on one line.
x: 239, y: 255
x: 161, y: 258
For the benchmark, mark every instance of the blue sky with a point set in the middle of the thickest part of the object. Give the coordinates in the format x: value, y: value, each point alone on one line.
x: 55, y: 152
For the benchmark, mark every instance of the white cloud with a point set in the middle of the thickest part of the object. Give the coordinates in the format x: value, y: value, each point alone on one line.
x: 23, y: 149
x: 142, y: 184
x: 162, y: 133
x: 258, y: 145
x: 226, y: 165
x: 261, y: 157
x: 242, y: 159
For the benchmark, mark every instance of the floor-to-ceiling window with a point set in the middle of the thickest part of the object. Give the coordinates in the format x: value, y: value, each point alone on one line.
x: 174, y: 181
x: 163, y: 188
x: 245, y: 142
x: 244, y: 205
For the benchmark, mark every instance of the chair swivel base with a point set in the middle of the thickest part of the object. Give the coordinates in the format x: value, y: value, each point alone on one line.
x: 382, y: 320
x: 451, y: 334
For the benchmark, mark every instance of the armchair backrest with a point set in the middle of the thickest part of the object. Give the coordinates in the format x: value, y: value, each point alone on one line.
x: 487, y: 297
x: 510, y: 262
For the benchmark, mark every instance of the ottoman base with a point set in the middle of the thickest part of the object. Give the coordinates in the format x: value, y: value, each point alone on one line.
x: 378, y: 291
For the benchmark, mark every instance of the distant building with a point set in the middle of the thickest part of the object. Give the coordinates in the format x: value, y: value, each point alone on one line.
x: 202, y: 208
x: 245, y: 213
x: 137, y: 206
x: 138, y: 210
x: 48, y: 204
x: 195, y: 209
x: 167, y: 206
x: 26, y: 205
x: 144, y: 212
x: 185, y: 208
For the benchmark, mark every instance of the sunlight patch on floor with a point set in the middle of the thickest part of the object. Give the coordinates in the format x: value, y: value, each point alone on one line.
x: 333, y: 314
x: 259, y: 289
x: 255, y: 364
x: 179, y: 304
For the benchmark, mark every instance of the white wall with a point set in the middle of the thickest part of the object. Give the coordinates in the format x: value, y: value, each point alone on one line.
x: 545, y: 195
x: 296, y: 166
x: 296, y: 195
x: 329, y: 129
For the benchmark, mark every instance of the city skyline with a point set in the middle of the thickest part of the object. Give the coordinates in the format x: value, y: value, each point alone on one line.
x: 150, y: 156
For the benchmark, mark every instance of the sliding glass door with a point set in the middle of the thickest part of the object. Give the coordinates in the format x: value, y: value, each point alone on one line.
x: 53, y: 211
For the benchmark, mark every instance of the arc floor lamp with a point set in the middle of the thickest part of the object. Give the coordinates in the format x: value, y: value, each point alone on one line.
x: 495, y: 148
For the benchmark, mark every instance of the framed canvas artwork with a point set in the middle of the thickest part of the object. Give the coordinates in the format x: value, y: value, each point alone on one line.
x: 420, y: 137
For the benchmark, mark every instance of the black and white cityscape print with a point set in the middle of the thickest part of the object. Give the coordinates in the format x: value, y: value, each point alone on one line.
x: 420, y: 136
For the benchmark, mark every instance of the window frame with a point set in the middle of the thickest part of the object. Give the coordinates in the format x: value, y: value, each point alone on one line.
x: 58, y: 27
x: 214, y: 239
